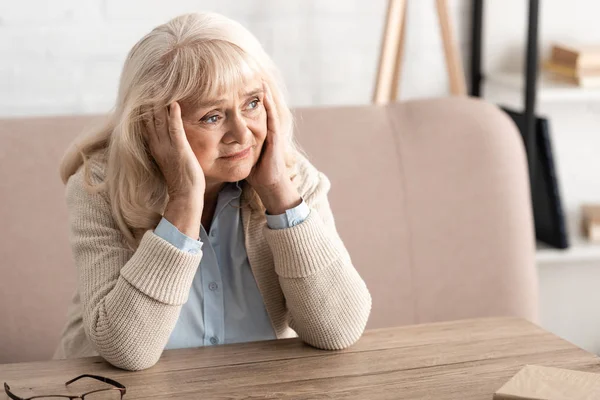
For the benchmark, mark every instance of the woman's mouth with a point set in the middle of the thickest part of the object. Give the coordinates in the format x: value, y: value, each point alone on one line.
x: 238, y: 156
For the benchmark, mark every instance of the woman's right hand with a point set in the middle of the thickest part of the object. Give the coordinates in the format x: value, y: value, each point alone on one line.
x: 173, y: 154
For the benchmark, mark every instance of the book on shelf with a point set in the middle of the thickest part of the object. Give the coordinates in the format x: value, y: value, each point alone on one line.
x: 579, y: 57
x: 589, y: 78
x: 570, y: 72
x: 591, y: 221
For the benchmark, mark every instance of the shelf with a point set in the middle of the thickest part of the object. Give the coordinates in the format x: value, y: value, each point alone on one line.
x: 580, y: 250
x: 549, y: 89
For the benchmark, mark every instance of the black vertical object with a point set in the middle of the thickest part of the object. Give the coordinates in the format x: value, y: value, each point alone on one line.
x: 531, y: 87
x: 476, y: 45
x: 531, y: 66
x: 549, y: 218
x: 548, y: 212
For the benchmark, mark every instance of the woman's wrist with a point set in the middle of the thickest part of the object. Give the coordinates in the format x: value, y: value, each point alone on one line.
x: 185, y: 213
x: 279, y: 198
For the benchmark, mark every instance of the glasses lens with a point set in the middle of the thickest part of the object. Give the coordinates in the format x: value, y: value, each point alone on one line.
x: 110, y: 394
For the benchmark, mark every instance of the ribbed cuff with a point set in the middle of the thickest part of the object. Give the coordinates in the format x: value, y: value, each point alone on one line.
x: 302, y: 250
x: 161, y: 271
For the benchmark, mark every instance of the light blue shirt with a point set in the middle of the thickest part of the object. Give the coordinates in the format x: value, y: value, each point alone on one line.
x: 224, y: 304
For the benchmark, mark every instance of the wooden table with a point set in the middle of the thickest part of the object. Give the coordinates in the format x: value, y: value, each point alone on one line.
x: 452, y: 360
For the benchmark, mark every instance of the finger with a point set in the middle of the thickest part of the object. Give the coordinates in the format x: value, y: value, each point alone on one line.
x: 147, y: 124
x: 147, y: 111
x: 160, y: 124
x: 272, y: 117
x: 175, y: 121
x: 150, y: 135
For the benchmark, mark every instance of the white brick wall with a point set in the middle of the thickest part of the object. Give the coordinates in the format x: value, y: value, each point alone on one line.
x: 65, y: 56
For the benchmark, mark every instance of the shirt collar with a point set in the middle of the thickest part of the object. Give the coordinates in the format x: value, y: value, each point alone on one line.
x: 230, y: 194
x: 231, y: 189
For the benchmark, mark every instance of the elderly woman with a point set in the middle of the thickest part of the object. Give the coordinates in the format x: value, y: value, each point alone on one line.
x: 194, y: 219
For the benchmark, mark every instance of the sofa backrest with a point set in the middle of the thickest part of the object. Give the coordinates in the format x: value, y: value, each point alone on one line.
x: 430, y: 197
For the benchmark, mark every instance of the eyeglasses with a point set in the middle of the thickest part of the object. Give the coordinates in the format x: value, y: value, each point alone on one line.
x: 115, y: 393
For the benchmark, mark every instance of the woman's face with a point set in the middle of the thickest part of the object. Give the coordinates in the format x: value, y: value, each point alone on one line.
x: 227, y: 133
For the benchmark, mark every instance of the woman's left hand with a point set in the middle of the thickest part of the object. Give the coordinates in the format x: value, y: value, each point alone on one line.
x: 270, y: 177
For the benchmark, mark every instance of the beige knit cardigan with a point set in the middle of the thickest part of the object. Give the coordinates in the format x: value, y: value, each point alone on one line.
x: 127, y: 302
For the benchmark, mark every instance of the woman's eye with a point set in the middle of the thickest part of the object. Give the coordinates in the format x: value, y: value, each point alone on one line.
x: 253, y: 104
x: 213, y: 119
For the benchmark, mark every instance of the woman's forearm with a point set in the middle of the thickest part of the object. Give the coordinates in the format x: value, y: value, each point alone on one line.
x: 129, y: 323
x: 328, y: 301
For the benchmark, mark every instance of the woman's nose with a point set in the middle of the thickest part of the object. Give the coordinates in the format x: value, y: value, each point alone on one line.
x: 238, y: 130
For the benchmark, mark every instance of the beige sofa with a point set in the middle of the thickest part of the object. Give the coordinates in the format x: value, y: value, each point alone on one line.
x: 431, y: 198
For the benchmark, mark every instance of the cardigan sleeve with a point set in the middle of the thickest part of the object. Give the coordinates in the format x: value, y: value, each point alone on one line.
x: 328, y: 302
x: 130, y: 299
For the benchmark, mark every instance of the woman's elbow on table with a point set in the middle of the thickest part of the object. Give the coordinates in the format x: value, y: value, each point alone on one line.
x: 127, y: 349
x: 133, y: 359
x: 340, y: 329
x: 350, y: 333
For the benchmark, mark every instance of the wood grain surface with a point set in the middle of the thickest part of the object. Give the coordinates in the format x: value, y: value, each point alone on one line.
x: 468, y: 359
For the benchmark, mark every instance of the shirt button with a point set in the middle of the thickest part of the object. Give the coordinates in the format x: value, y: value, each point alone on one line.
x: 213, y: 233
x: 214, y: 340
x: 213, y: 286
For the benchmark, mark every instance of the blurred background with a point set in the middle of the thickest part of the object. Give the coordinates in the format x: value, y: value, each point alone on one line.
x: 63, y: 57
